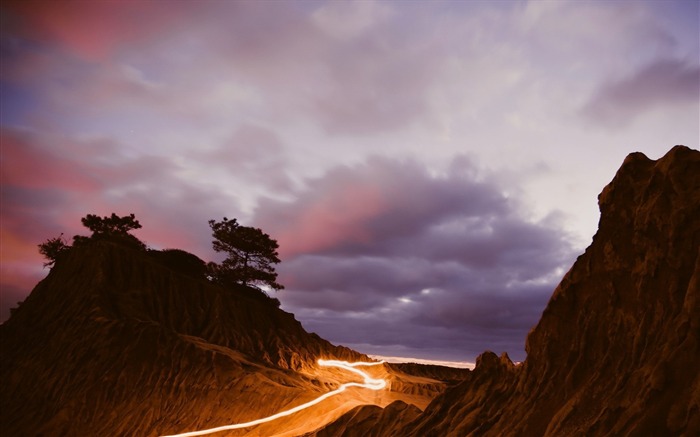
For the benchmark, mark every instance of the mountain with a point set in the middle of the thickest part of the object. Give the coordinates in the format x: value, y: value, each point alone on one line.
x: 617, y: 349
x: 115, y: 341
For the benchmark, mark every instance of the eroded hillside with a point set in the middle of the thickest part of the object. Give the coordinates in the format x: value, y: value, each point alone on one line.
x: 114, y: 342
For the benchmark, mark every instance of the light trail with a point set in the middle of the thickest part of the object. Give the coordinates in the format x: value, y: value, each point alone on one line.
x: 369, y: 382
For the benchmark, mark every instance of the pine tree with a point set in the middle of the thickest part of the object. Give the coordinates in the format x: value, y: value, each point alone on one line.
x: 251, y: 255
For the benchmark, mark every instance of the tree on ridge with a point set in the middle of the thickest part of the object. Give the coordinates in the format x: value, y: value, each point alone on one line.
x: 112, y: 228
x: 251, y: 255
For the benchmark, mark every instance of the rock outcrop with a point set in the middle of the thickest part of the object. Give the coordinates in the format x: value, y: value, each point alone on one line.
x: 112, y: 342
x: 617, y: 350
x: 369, y: 421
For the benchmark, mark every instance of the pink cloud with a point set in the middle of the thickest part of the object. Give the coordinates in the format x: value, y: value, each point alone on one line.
x: 253, y: 153
x: 664, y: 83
x: 96, y: 30
x: 16, y: 250
x: 337, y: 216
x: 26, y: 164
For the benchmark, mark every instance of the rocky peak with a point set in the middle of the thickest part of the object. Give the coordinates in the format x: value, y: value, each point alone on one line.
x: 618, y: 323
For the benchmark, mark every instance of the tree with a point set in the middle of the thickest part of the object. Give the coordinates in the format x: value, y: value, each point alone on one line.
x: 112, y: 228
x: 251, y: 255
x: 52, y: 249
x: 110, y: 225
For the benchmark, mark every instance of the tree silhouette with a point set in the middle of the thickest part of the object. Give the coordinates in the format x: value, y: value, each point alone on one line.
x: 110, y: 225
x: 53, y: 248
x: 112, y: 228
x: 251, y: 255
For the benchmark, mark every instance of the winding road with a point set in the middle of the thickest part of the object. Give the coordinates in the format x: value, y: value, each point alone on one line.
x: 369, y: 382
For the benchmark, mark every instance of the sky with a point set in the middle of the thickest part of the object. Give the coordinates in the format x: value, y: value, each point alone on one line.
x: 430, y: 169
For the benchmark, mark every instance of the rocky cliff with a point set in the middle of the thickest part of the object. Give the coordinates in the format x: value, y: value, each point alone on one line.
x: 617, y: 350
x: 113, y: 342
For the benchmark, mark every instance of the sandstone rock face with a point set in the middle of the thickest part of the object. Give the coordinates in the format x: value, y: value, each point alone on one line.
x: 114, y: 343
x: 617, y: 350
x: 369, y: 421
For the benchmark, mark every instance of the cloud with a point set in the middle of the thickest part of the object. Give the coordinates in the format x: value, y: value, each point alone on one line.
x: 208, y: 63
x: 351, y: 208
x: 21, y: 166
x: 569, y: 29
x: 665, y: 83
x: 377, y: 75
x: 347, y: 20
x: 365, y: 76
x: 388, y: 252
x: 254, y: 155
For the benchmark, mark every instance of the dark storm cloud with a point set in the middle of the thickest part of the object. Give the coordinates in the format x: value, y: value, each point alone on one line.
x: 354, y: 283
x: 367, y: 208
x: 661, y: 84
x: 389, y: 253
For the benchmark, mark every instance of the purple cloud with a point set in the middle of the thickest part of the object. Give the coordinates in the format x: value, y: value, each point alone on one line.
x: 399, y: 254
x: 661, y: 84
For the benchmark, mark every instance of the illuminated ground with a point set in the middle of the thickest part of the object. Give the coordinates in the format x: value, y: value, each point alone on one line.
x: 372, y: 383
